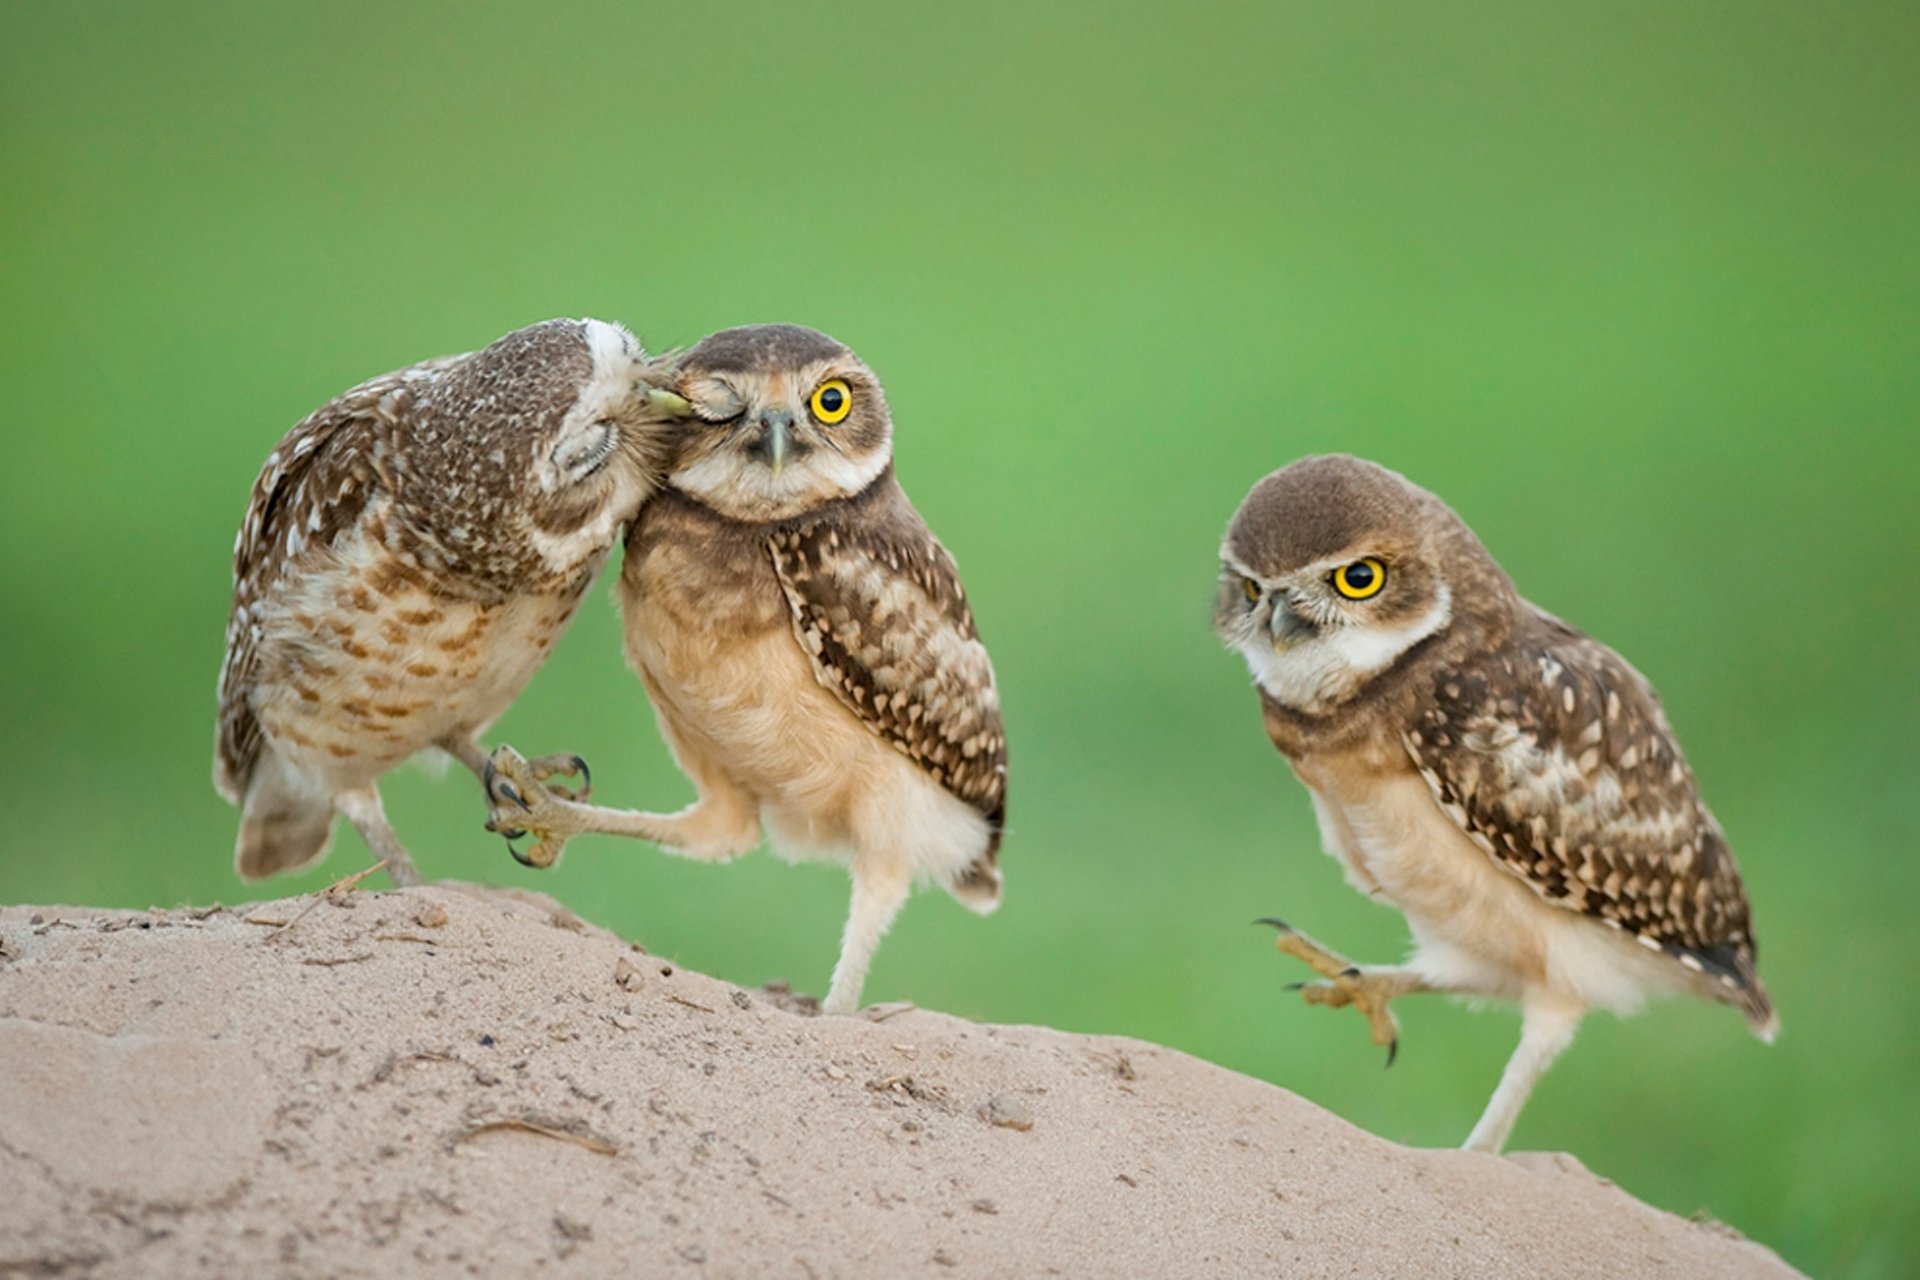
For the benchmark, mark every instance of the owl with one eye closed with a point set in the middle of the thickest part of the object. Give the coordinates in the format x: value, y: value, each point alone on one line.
x: 1507, y: 783
x: 410, y: 554
x: 808, y: 649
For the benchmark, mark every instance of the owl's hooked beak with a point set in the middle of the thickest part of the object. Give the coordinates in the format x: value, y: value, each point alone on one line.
x: 669, y: 403
x: 774, y: 444
x: 1287, y: 627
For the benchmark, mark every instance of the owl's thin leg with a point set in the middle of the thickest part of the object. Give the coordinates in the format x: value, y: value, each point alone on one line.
x: 1367, y: 988
x: 878, y: 895
x: 1545, y: 1030
x: 468, y: 751
x: 363, y: 809
x: 723, y: 823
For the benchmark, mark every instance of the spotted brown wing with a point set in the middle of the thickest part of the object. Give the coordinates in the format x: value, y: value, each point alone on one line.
x: 314, y: 484
x: 883, y: 618
x: 1556, y: 759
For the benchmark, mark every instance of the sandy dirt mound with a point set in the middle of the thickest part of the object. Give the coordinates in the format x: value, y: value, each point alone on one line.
x: 440, y: 1081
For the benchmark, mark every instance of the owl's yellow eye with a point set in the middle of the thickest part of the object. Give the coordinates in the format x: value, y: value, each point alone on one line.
x: 1361, y: 579
x: 1251, y: 588
x: 832, y: 401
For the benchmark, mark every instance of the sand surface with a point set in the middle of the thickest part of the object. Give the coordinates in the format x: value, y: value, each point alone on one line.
x: 443, y: 1082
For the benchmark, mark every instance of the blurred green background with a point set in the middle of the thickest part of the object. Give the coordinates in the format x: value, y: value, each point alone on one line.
x: 1636, y: 287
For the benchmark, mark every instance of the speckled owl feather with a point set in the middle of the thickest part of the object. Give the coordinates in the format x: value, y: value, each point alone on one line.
x: 1556, y: 759
x: 312, y: 488
x: 878, y: 607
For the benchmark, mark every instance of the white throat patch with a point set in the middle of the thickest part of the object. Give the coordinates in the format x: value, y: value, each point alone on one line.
x: 729, y: 483
x: 1311, y: 674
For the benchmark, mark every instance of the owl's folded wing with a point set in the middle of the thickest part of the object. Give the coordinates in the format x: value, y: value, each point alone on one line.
x: 885, y: 623
x: 1560, y: 765
x: 315, y: 483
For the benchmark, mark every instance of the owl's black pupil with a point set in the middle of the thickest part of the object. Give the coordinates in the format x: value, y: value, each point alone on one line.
x: 830, y: 400
x: 1359, y: 576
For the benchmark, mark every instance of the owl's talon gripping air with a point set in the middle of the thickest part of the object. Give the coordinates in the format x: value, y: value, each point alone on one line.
x: 413, y: 549
x: 1510, y: 785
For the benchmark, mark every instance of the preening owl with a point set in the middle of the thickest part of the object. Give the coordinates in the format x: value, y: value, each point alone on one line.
x: 1507, y: 783
x: 411, y: 552
x: 808, y: 649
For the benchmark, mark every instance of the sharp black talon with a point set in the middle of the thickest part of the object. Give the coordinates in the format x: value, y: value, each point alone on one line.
x: 1296, y: 986
x: 1351, y: 971
x: 1393, y: 1050
x: 586, y: 774
x: 512, y: 793
x: 1276, y: 922
x: 520, y: 857
x: 510, y: 833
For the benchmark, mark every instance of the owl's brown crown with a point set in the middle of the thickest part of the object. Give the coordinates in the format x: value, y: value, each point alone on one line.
x: 761, y: 346
x: 1322, y: 507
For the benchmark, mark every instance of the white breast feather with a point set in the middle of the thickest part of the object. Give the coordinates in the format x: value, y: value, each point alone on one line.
x: 1305, y: 675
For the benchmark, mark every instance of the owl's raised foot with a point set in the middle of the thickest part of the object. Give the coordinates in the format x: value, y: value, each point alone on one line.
x: 1344, y: 983
x: 520, y: 802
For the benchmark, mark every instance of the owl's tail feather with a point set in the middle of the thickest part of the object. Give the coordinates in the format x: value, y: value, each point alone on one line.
x: 978, y: 887
x: 1757, y: 1006
x: 284, y: 826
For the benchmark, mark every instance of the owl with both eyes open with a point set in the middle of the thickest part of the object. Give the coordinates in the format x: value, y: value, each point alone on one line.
x: 806, y: 643
x: 1507, y: 783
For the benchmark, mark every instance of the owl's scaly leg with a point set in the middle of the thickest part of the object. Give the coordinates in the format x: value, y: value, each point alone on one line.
x: 723, y: 823
x: 1546, y: 1028
x: 878, y: 895
x: 363, y: 809
x: 1367, y: 988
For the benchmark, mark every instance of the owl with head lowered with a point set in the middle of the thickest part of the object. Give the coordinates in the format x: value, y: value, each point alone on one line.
x: 411, y: 552
x: 1507, y: 783
x: 807, y: 646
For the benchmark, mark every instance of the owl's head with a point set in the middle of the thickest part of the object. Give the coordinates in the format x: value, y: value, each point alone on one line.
x: 783, y: 419
x: 542, y: 444
x: 1336, y: 571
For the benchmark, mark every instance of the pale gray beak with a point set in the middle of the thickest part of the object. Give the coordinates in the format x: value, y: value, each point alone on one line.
x: 775, y: 444
x: 1287, y: 627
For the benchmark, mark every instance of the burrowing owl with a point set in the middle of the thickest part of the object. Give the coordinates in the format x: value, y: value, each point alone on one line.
x: 1509, y: 784
x: 411, y: 551
x: 808, y: 648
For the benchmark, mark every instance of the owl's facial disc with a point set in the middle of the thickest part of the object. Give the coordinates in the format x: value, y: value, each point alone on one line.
x: 769, y: 443
x: 1315, y: 635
